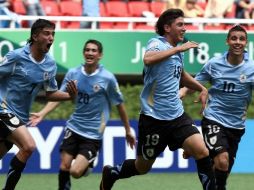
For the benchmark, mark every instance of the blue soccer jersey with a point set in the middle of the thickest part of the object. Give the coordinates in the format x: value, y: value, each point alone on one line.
x: 231, y: 90
x: 96, y: 93
x: 159, y: 98
x: 21, y: 78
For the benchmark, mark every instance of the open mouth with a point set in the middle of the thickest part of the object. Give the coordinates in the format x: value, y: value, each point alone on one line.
x: 89, y: 59
x: 49, y: 45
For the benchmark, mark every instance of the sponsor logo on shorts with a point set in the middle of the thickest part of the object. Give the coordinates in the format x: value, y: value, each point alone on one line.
x: 213, y: 140
x: 67, y: 134
x: 90, y: 154
x: 150, y: 152
x: 14, y: 121
x: 218, y: 148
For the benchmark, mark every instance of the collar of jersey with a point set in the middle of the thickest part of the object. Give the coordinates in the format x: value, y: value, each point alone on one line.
x: 92, y: 74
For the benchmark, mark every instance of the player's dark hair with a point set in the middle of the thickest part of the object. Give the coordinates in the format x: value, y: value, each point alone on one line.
x: 237, y: 28
x: 96, y: 42
x: 167, y: 17
x: 38, y: 26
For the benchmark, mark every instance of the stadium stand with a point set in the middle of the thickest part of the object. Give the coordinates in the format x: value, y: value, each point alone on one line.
x: 137, y: 9
x: 202, y: 4
x: 103, y: 13
x: 51, y: 8
x: 157, y: 7
x: 232, y: 13
x: 120, y: 14
x: 70, y: 8
x: 18, y: 7
x: 117, y: 9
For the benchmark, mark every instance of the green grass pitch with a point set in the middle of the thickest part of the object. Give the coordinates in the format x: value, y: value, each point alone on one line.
x: 160, y: 181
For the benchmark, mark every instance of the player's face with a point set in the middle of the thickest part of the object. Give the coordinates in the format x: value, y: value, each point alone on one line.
x: 44, y: 39
x: 176, y: 30
x: 92, y: 54
x: 237, y: 41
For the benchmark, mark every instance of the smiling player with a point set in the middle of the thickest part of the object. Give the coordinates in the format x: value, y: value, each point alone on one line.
x: 97, y: 91
x: 163, y: 122
x: 232, y: 78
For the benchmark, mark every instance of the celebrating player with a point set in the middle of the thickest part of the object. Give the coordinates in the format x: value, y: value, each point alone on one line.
x: 163, y: 122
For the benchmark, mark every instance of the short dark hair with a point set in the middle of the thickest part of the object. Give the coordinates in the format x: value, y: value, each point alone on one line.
x: 236, y: 28
x: 167, y: 17
x: 38, y: 26
x: 96, y: 42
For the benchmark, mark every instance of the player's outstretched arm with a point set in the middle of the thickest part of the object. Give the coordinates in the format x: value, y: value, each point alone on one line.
x: 188, y: 81
x: 36, y: 117
x: 130, y: 138
x: 154, y: 57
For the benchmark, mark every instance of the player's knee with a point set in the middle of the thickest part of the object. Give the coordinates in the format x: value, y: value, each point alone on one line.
x: 143, y: 170
x: 76, y: 173
x: 28, y: 149
x: 222, y: 163
x: 201, y: 153
x: 65, y: 166
x: 204, y: 152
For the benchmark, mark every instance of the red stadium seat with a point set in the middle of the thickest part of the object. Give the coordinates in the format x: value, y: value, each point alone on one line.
x: 251, y: 27
x: 103, y: 11
x: 117, y: 9
x: 106, y: 25
x: 157, y: 7
x: 136, y: 8
x: 191, y: 27
x: 18, y: 7
x: 144, y: 27
x: 70, y: 8
x: 246, y: 27
x: 215, y: 27
x: 51, y: 8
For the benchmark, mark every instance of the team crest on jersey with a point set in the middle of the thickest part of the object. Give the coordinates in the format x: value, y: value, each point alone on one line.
x: 213, y: 140
x: 150, y: 152
x: 153, y: 45
x: 243, y: 78
x: 46, y: 76
x: 96, y: 88
x: 117, y: 89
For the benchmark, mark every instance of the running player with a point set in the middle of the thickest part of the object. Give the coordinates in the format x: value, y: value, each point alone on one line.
x: 232, y: 78
x: 97, y: 90
x: 163, y: 122
x: 23, y: 73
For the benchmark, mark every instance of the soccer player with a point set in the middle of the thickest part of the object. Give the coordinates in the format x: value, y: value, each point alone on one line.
x: 97, y: 90
x: 23, y: 73
x: 232, y: 78
x: 163, y: 122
